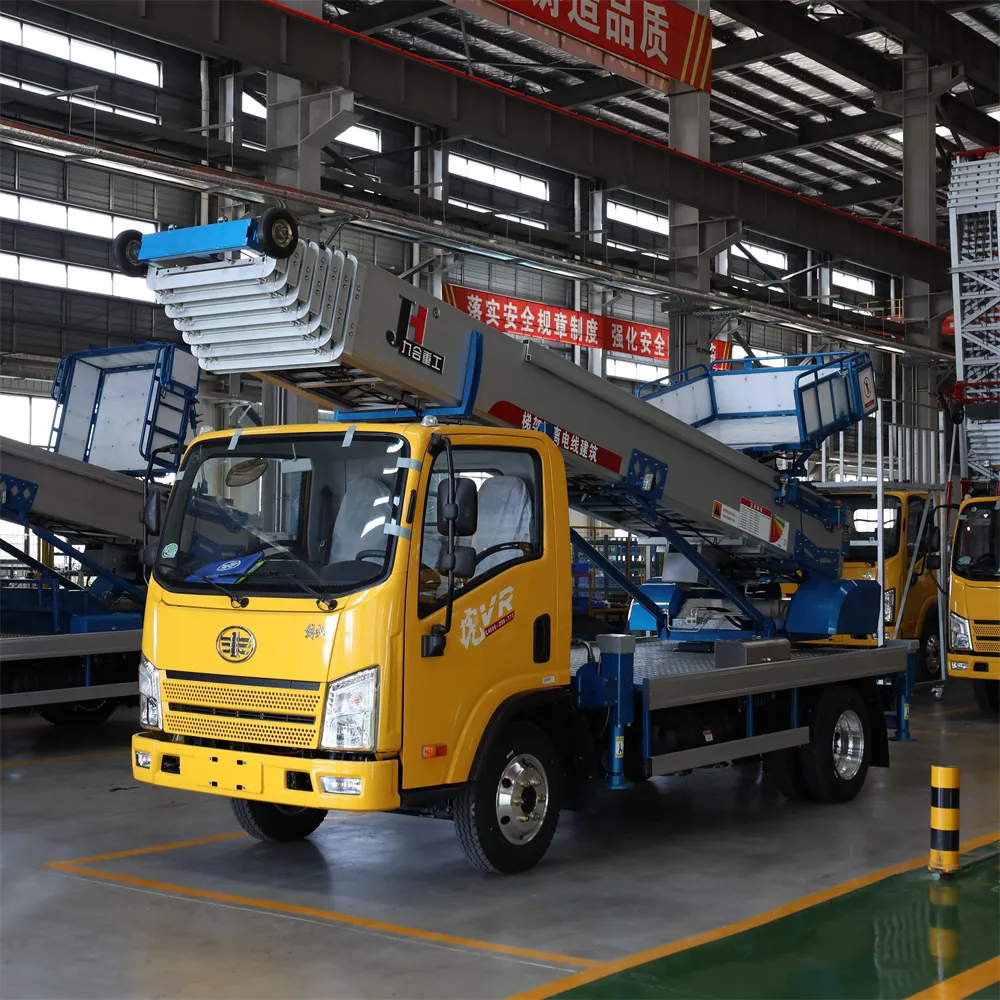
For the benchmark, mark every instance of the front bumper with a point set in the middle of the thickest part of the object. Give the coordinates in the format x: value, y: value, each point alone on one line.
x: 978, y: 666
x: 264, y: 777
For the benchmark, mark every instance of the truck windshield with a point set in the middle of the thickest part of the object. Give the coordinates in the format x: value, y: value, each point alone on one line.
x: 861, y: 518
x: 266, y: 514
x: 977, y: 541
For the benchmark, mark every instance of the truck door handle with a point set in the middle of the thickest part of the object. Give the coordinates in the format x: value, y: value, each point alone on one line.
x: 542, y: 639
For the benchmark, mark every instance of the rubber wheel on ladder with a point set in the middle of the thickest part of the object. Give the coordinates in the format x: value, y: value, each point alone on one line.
x: 277, y: 233
x: 124, y: 253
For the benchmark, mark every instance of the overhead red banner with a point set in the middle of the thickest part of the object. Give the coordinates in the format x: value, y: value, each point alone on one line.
x: 658, y: 35
x: 521, y: 318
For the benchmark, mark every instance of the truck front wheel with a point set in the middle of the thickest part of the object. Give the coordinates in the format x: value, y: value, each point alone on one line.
x: 835, y: 761
x: 506, y: 819
x: 269, y: 821
x: 987, y: 695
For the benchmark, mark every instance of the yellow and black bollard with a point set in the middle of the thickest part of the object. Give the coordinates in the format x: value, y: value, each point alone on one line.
x: 944, y: 820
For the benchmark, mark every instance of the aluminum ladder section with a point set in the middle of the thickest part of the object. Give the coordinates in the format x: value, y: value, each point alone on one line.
x: 973, y: 210
x: 393, y: 350
x: 68, y: 496
x: 761, y: 409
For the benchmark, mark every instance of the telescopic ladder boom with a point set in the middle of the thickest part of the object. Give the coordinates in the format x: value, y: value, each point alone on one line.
x: 353, y: 336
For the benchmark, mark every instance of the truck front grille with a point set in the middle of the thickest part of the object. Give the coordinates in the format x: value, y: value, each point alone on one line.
x: 265, y: 712
x: 986, y: 636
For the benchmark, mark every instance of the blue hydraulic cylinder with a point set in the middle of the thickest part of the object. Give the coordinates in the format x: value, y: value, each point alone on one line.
x: 617, y: 667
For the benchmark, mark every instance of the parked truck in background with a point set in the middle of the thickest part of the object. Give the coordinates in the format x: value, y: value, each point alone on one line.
x: 974, y: 603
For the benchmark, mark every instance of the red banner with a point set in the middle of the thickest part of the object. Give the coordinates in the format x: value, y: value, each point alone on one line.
x: 521, y: 318
x: 658, y: 35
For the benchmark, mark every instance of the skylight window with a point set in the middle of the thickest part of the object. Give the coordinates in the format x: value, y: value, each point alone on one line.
x: 853, y: 281
x: 60, y: 46
x: 509, y: 180
x: 771, y: 258
x: 70, y: 218
x: 631, y: 216
x: 56, y: 274
x: 534, y: 223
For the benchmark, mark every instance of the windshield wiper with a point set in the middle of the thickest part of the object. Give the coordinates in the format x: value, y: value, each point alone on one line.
x: 324, y: 601
x: 235, y: 599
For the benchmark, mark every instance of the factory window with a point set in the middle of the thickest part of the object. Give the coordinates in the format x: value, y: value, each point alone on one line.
x: 75, y: 50
x: 630, y: 216
x: 56, y: 274
x: 635, y: 371
x: 75, y: 220
x: 646, y: 253
x: 770, y: 258
x: 509, y: 180
x: 768, y: 359
x: 82, y: 99
x: 852, y: 281
x: 534, y: 223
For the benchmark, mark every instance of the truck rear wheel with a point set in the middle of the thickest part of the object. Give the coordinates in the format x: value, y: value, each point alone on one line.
x: 987, y: 695
x: 270, y: 821
x: 506, y: 819
x: 835, y: 762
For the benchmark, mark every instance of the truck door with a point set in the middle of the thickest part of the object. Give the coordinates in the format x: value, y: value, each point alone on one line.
x: 922, y: 598
x: 492, y: 650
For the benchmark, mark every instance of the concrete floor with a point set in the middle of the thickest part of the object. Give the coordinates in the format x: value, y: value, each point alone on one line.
x: 387, y: 906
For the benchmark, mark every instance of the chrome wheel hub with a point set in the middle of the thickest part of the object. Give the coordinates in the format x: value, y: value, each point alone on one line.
x: 522, y: 798
x: 281, y: 233
x: 848, y: 745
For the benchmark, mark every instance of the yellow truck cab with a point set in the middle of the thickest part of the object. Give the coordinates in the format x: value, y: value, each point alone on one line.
x: 974, y: 604
x: 902, y: 512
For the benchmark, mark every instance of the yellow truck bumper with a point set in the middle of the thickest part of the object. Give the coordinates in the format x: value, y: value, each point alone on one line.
x: 974, y: 666
x: 264, y: 777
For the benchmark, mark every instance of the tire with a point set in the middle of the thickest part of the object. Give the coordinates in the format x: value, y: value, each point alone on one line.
x: 79, y: 713
x: 785, y: 769
x: 269, y: 821
x: 835, y: 762
x: 987, y: 694
x: 277, y: 233
x: 520, y: 771
x: 930, y: 650
x: 123, y: 253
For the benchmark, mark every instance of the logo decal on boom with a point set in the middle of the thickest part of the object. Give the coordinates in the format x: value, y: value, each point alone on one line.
x: 408, y: 337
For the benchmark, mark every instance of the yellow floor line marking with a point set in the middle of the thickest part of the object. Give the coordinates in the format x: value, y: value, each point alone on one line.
x: 326, y: 915
x: 664, y: 950
x: 964, y: 984
x: 156, y: 849
x: 955, y: 732
x: 48, y: 760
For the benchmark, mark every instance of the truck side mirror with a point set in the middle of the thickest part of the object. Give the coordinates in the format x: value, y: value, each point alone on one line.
x: 152, y: 510
x: 463, y: 512
x: 932, y: 561
x: 462, y: 562
x: 148, y: 555
x: 933, y: 538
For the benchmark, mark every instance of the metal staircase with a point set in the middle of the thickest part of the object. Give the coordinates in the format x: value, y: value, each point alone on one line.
x: 974, y: 206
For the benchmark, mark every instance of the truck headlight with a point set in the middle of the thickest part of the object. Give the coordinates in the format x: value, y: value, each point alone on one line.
x: 889, y: 606
x: 149, y: 695
x: 958, y: 632
x: 351, y: 718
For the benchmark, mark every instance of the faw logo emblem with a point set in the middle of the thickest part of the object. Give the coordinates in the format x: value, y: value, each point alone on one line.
x: 408, y: 337
x: 235, y: 644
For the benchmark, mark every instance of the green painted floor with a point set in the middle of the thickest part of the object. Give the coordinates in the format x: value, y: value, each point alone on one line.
x: 873, y: 943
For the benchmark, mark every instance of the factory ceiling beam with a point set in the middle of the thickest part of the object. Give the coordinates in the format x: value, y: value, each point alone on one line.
x: 600, y: 88
x: 880, y: 191
x: 272, y: 37
x: 733, y: 55
x: 380, y: 16
x: 936, y: 32
x: 790, y: 23
x: 807, y: 135
x: 970, y: 121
